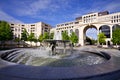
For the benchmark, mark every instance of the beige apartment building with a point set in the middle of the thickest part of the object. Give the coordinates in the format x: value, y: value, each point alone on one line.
x: 101, y: 21
x: 36, y: 28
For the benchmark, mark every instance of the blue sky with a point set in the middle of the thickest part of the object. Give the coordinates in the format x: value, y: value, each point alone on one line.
x: 52, y: 11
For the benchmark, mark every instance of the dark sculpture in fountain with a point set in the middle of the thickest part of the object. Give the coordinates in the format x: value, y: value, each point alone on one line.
x: 54, y: 43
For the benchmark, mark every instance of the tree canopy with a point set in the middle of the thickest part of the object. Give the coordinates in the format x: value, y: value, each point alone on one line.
x: 65, y: 35
x: 51, y: 35
x: 5, y: 31
x: 101, y: 38
x: 73, y: 38
x: 116, y: 36
x: 31, y: 37
x: 24, y: 35
x: 45, y: 35
x: 40, y: 38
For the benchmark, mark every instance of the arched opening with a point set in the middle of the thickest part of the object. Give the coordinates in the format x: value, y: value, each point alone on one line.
x: 71, y: 30
x: 90, y: 35
x: 106, y: 30
x: 77, y: 32
x: 115, y: 26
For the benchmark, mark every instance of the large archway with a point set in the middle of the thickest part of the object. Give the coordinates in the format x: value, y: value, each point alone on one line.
x: 91, y: 38
x: 115, y: 26
x: 106, y: 30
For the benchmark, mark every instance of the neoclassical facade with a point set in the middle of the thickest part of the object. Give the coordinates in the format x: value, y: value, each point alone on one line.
x: 101, y: 21
x: 36, y: 28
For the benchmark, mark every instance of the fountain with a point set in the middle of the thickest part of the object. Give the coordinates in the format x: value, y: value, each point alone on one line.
x: 55, y: 53
x: 57, y: 60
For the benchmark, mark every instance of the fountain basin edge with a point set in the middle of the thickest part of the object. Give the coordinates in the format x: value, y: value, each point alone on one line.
x: 110, y: 70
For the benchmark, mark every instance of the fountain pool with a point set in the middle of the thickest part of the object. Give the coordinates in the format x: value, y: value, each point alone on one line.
x: 43, y: 57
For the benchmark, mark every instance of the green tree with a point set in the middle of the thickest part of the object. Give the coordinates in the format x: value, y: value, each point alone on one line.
x: 24, y: 35
x: 116, y: 36
x: 51, y: 35
x: 40, y: 38
x: 31, y: 37
x: 65, y: 35
x: 5, y: 31
x: 101, y: 38
x: 93, y: 41
x: 45, y: 35
x: 73, y: 38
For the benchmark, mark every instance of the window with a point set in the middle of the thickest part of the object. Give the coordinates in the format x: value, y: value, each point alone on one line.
x: 58, y: 25
x: 117, y: 16
x: 23, y: 28
x: 46, y: 25
x: 114, y: 17
x: 71, y: 23
x: 111, y: 21
x: 15, y: 29
x: 12, y: 27
x: 76, y: 22
x: 62, y: 24
x: 66, y: 24
x: 114, y: 21
x: 19, y: 29
x: 117, y: 20
x: 32, y: 25
x: 46, y: 28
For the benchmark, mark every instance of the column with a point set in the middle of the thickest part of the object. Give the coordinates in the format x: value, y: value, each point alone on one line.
x: 97, y: 36
x: 81, y: 35
x: 111, y: 31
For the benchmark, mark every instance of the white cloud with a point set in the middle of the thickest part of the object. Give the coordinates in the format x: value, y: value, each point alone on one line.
x: 98, y: 6
x: 7, y: 17
x: 112, y: 6
x: 38, y: 7
x: 32, y: 8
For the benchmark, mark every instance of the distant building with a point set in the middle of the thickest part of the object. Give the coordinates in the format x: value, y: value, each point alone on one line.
x: 36, y: 28
x: 101, y: 21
